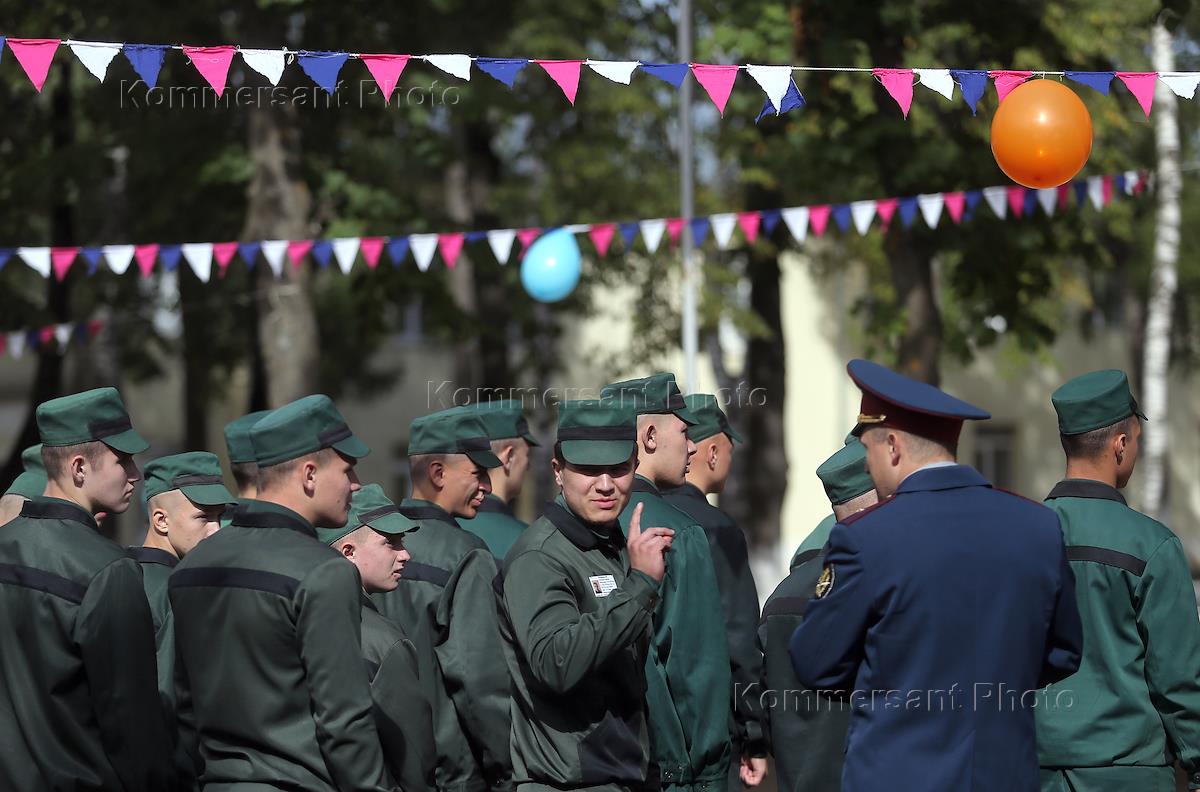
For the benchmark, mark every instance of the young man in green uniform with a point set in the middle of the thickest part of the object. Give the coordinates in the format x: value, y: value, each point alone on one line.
x: 373, y: 540
x: 706, y: 475
x: 810, y: 731
x: 508, y: 431
x: 446, y: 599
x: 80, y: 708
x: 689, y: 688
x: 579, y: 604
x: 27, y: 486
x: 1133, y: 708
x: 267, y: 623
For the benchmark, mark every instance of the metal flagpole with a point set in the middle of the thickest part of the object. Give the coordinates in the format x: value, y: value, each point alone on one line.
x: 686, y: 188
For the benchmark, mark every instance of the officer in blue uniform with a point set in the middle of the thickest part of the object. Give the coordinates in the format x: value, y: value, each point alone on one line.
x: 941, y: 612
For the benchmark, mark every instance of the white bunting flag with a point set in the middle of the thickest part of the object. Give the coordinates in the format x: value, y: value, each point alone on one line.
x: 930, y: 205
x: 774, y: 80
x: 95, y: 55
x: 199, y: 257
x: 617, y: 71
x: 16, y: 344
x: 722, y: 228
x: 863, y: 212
x: 273, y: 250
x: 1048, y: 197
x: 1182, y: 84
x: 796, y: 219
x: 652, y: 232
x: 345, y: 249
x: 268, y: 63
x: 1096, y: 191
x: 938, y: 80
x: 38, y: 259
x: 501, y: 242
x: 118, y: 257
x: 423, y: 247
x: 997, y: 199
x: 457, y: 65
x: 62, y: 333
x: 1131, y: 180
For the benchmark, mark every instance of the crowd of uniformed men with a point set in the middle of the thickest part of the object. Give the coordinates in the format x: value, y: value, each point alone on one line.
x: 310, y: 634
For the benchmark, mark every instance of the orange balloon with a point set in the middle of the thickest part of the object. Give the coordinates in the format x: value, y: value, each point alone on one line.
x: 1041, y: 134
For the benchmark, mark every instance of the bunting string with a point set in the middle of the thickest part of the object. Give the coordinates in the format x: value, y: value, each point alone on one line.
x: 777, y: 83
x: 207, y: 258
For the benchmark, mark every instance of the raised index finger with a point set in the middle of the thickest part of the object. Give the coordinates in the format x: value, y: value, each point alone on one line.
x: 635, y: 522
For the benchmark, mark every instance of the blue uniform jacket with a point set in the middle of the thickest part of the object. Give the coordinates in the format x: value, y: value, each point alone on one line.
x: 941, y: 613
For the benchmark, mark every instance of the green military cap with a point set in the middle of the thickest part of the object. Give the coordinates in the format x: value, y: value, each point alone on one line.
x: 237, y: 437
x: 370, y: 507
x: 710, y: 419
x: 1093, y: 401
x: 97, y: 414
x: 304, y: 426
x: 596, y: 432
x: 503, y: 419
x: 197, y: 474
x: 655, y: 394
x: 32, y: 481
x: 453, y: 431
x: 844, y: 474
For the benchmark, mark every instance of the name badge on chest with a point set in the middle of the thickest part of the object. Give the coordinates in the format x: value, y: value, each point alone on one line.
x: 602, y: 585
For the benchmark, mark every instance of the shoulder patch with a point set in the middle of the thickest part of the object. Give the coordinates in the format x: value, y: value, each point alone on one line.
x: 853, y: 518
x: 825, y: 582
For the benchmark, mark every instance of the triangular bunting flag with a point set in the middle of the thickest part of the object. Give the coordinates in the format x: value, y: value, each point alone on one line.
x: 145, y: 255
x: 501, y: 242
x: 1131, y: 180
x: 386, y: 70
x: 62, y: 333
x: 297, y: 249
x: 652, y: 232
x: 92, y: 255
x: 1095, y: 80
x: 322, y: 67
x: 955, y: 202
x: 95, y: 56
x: 717, y: 81
x: 973, y: 197
x: 1107, y: 182
x: 503, y: 69
x: 397, y: 249
x: 997, y: 198
x: 371, y: 249
x: 722, y: 228
x: 1007, y: 79
x: 931, y: 208
x: 770, y: 220
x: 1047, y: 197
x: 791, y: 100
x: 972, y: 83
x: 35, y: 56
x: 749, y: 222
x: 1064, y: 195
x: 16, y: 344
x: 1141, y: 85
x: 212, y: 63
x: 5, y: 255
x: 527, y: 236
x: 169, y: 255
x: 700, y: 228
x: 841, y: 216
x: 423, y: 247
x: 146, y: 60
x: 345, y: 249
x: 886, y: 209
x: 118, y: 257
x: 774, y: 80
x: 818, y: 218
x: 322, y: 252
x: 455, y: 65
x: 674, y: 227
x: 899, y: 85
x: 1095, y: 190
x: 61, y: 259
x: 863, y: 212
x: 629, y: 232
x: 565, y: 73
x: 249, y: 252
x: 1016, y: 200
x: 601, y: 235
x: 672, y: 74
x: 37, y: 259
x: 268, y: 63
x: 451, y: 245
x: 1029, y: 205
x: 273, y: 250
x: 907, y: 208
x: 199, y: 256
x: 796, y: 219
x: 937, y: 80
x: 1182, y: 84
x: 617, y: 71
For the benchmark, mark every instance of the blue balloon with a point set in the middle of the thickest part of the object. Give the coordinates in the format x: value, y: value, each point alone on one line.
x: 550, y: 268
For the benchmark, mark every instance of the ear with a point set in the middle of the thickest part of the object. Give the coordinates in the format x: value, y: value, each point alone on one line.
x: 1120, y: 443
x: 78, y: 467
x: 159, y: 521
x: 506, y: 456
x: 713, y: 453
x: 650, y: 436
x: 437, y: 473
x: 558, y: 471
x: 308, y: 473
x: 348, y: 550
x: 895, y: 449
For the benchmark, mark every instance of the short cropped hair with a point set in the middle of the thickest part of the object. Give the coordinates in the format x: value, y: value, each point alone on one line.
x: 1089, y: 445
x: 245, y: 474
x: 272, y: 475
x: 55, y: 457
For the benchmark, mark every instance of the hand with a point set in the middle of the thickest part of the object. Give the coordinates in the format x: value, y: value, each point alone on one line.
x: 646, y: 548
x: 753, y: 770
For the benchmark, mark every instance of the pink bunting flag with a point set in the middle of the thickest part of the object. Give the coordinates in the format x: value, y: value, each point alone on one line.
x: 94, y: 327
x: 212, y: 63
x: 1007, y: 79
x: 145, y: 255
x: 899, y: 85
x: 955, y: 203
x: 34, y: 55
x: 371, y: 248
x: 1107, y: 183
x: 717, y: 81
x: 565, y: 73
x: 46, y: 335
x: 886, y: 209
x: 527, y: 235
x: 1016, y: 200
x: 1142, y: 179
x: 386, y: 69
x: 451, y: 245
x: 602, y: 235
x: 674, y: 229
x: 1064, y: 193
x: 749, y: 222
x: 224, y: 252
x: 61, y: 258
x: 1141, y: 85
x: 818, y: 218
x: 297, y: 249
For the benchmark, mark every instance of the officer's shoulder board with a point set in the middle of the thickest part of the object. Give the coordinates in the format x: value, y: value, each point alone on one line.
x: 853, y: 518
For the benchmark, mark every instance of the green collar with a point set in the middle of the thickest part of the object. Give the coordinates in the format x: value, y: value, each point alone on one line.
x: 44, y: 508
x: 265, y: 514
x: 417, y: 509
x: 584, y: 535
x: 1086, y: 488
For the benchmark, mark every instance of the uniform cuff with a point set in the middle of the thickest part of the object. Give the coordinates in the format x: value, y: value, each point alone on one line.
x: 643, y: 588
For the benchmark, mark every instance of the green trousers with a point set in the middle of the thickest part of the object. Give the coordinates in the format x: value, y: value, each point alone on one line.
x: 1109, y: 779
